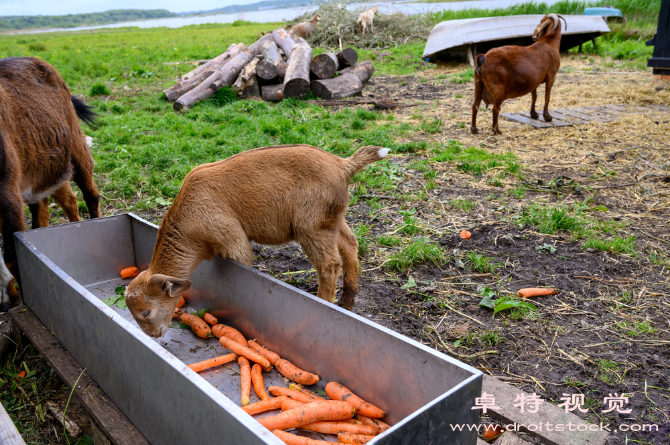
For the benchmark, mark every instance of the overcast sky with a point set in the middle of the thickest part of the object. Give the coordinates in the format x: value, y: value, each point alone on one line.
x: 62, y: 7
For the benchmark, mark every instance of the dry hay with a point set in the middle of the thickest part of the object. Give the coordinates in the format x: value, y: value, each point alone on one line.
x: 338, y: 27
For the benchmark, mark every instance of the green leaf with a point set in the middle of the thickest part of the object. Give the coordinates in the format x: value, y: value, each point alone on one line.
x: 545, y: 247
x: 503, y: 304
x: 121, y: 303
x: 162, y: 201
x: 111, y: 301
x: 183, y: 325
x: 487, y: 302
x: 201, y: 313
x: 457, y: 343
x: 120, y: 290
x: 410, y: 283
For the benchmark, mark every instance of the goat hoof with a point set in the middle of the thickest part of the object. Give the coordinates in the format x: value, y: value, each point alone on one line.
x: 534, y: 115
x: 497, y: 131
x: 348, y: 305
x: 474, y: 130
x: 547, y: 118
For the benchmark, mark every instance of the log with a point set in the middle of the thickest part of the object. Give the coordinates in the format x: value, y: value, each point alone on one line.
x: 271, y: 54
x: 273, y: 93
x: 324, y: 66
x: 219, y: 60
x: 187, y: 85
x: 252, y: 90
x: 346, y: 85
x: 246, y: 77
x: 284, y: 41
x: 296, y: 81
x: 267, y: 73
x: 257, y: 46
x: 347, y: 57
x: 226, y: 75
x: 362, y: 70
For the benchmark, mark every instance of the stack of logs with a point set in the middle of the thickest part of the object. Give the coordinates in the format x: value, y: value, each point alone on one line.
x: 274, y: 67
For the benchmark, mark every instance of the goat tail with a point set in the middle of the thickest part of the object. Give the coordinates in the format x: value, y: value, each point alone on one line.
x: 364, y: 156
x: 84, y: 112
x: 479, y: 61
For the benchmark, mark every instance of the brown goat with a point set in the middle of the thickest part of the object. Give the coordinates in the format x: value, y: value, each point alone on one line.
x: 513, y: 71
x: 366, y: 19
x: 270, y: 195
x: 42, y: 148
x: 304, y: 29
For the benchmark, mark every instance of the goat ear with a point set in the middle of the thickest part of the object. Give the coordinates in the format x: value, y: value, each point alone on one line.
x: 171, y: 286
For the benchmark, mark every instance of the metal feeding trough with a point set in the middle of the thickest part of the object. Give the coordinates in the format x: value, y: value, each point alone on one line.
x: 67, y: 270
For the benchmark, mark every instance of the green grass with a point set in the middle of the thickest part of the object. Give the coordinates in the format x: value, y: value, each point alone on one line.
x: 636, y: 329
x: 609, y: 371
x: 481, y: 263
x: 462, y: 204
x: 554, y: 218
x: 389, y: 240
x: 362, y: 231
x: 420, y: 250
x: 616, y: 244
x: 466, y: 76
x: 475, y: 160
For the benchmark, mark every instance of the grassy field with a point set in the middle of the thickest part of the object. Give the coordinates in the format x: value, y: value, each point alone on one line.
x: 143, y: 150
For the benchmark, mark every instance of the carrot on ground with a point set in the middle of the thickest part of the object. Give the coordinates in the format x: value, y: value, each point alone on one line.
x: 292, y: 439
x: 338, y: 392
x: 221, y: 330
x: 290, y: 404
x: 176, y: 313
x: 130, y: 272
x: 292, y: 372
x: 373, y: 422
x: 292, y: 394
x: 199, y: 327
x: 245, y: 372
x: 20, y: 375
x: 535, y: 292
x: 264, y: 405
x: 465, y: 234
x: 244, y: 351
x: 212, y: 362
x: 257, y: 381
x: 336, y: 427
x: 309, y: 413
x: 271, y: 356
x: 209, y: 318
x: 344, y: 437
x: 181, y: 302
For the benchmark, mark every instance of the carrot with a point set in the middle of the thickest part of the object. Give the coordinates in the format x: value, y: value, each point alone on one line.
x: 292, y: 372
x: 373, y: 422
x: 209, y: 318
x: 20, y: 375
x: 344, y: 437
x: 264, y: 405
x: 492, y: 431
x: 257, y: 381
x: 338, y: 392
x: 336, y: 427
x: 130, y: 272
x: 290, y: 404
x: 198, y: 326
x: 292, y: 394
x: 298, y: 387
x: 242, y: 350
x: 245, y: 372
x: 309, y: 413
x: 535, y: 292
x: 221, y: 330
x: 181, y: 302
x: 272, y: 356
x: 212, y: 362
x: 292, y: 439
x: 176, y: 313
x: 465, y: 234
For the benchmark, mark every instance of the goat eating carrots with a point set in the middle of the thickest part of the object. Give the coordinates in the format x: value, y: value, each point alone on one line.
x: 270, y: 195
x: 513, y: 71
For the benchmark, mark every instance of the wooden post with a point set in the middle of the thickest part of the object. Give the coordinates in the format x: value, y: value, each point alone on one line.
x: 284, y: 41
x: 224, y: 76
x: 187, y: 85
x: 347, y: 57
x: 324, y: 66
x: 362, y: 70
x: 219, y: 60
x: 296, y: 81
x: 346, y: 85
x: 273, y: 93
x: 257, y: 46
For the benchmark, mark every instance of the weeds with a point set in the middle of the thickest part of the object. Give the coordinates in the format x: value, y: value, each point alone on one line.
x: 420, y: 250
x: 613, y: 245
x: 481, y: 263
x: 636, y: 329
x: 475, y: 160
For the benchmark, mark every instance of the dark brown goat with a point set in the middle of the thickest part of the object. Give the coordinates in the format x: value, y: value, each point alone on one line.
x: 42, y: 148
x: 514, y: 71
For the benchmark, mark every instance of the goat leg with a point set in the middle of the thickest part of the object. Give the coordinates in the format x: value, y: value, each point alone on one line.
x: 547, y: 94
x: 479, y: 87
x: 533, y: 96
x: 496, y: 112
x: 11, y: 209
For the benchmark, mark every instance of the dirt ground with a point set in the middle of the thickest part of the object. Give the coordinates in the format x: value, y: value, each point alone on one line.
x: 580, y: 340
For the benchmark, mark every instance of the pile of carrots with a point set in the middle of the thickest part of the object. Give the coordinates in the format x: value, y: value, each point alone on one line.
x: 346, y: 415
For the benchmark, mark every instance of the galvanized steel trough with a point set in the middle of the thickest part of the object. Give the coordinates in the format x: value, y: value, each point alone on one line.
x: 66, y: 270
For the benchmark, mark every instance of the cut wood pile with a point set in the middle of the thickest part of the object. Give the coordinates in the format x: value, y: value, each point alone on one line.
x: 273, y: 68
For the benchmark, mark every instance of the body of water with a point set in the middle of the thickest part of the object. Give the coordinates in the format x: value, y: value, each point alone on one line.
x: 276, y: 15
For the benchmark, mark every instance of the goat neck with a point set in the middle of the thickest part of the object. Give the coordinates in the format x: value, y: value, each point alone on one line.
x: 173, y: 254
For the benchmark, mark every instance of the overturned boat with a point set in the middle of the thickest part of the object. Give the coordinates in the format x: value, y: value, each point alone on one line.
x: 457, y: 39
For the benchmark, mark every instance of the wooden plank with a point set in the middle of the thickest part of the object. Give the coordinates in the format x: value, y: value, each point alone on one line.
x: 565, y: 118
x: 604, y: 117
x: 99, y: 406
x: 514, y: 117
x: 659, y: 107
x: 505, y: 398
x: 554, y: 122
x: 481, y: 442
x: 510, y: 438
x: 9, y: 435
x: 587, y: 117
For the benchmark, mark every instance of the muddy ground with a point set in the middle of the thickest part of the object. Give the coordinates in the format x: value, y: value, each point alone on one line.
x: 607, y: 330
